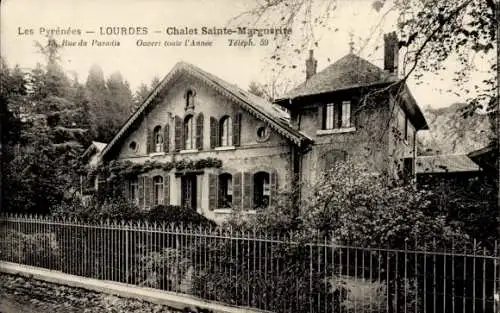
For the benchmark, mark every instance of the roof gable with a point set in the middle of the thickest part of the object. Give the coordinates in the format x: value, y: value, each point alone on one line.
x: 276, y: 118
x: 350, y: 71
x: 95, y: 147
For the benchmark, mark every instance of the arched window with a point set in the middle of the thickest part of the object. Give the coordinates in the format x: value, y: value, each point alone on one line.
x: 189, y: 99
x: 225, y: 190
x: 189, y: 133
x: 262, y: 190
x: 158, y: 139
x: 226, y: 132
x: 158, y: 190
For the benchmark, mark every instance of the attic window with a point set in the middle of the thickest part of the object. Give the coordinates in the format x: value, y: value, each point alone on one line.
x: 263, y: 133
x: 190, y: 99
x: 133, y: 146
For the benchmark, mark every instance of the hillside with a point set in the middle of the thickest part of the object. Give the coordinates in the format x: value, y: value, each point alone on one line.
x: 452, y: 133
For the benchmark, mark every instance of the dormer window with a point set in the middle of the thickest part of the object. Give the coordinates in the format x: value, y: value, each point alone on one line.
x: 337, y: 115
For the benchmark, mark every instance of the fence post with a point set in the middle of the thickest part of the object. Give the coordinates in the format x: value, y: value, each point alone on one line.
x: 126, y: 254
x: 310, y: 278
x: 19, y: 245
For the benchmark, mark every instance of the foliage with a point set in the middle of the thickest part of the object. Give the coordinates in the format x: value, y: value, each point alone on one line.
x: 117, y: 209
x: 432, y: 34
x: 359, y: 208
x: 110, y: 102
x: 96, y: 211
x: 178, y: 216
x: 116, y: 172
x: 155, y: 268
x: 283, y: 283
x: 37, y: 249
x: 469, y: 203
x: 282, y: 216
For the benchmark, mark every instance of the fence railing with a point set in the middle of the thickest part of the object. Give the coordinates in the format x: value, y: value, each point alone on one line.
x: 273, y: 273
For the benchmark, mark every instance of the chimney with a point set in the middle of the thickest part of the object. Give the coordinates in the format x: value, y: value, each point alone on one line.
x: 311, y: 65
x: 391, y: 53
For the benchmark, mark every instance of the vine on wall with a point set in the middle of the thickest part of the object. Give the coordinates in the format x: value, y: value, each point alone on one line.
x: 119, y: 170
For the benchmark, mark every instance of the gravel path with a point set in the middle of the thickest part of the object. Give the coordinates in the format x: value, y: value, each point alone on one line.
x: 19, y: 294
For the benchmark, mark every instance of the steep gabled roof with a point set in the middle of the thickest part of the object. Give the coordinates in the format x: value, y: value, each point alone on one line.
x: 276, y: 118
x: 351, y: 71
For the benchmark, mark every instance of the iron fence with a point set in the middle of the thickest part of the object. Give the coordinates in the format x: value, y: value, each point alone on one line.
x: 249, y: 269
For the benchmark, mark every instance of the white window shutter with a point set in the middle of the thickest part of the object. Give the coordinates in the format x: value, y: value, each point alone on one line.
x: 346, y: 114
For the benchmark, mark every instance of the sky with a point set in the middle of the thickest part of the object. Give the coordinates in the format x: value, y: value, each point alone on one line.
x: 25, y: 21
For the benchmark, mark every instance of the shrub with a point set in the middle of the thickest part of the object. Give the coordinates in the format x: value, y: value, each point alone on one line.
x: 38, y: 249
x: 164, y: 269
x: 117, y: 208
x: 360, y: 209
x: 276, y: 277
x: 176, y: 215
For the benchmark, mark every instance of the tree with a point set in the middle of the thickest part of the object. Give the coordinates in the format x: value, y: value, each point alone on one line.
x: 259, y: 90
x: 56, y: 81
x: 433, y: 34
x: 96, y: 94
x: 141, y: 95
x: 155, y: 82
x: 52, y: 133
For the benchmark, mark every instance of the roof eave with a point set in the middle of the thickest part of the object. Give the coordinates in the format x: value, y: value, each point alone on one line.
x: 288, y: 101
x: 418, y: 116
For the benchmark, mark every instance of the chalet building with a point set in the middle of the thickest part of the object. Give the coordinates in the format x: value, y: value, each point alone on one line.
x: 351, y: 110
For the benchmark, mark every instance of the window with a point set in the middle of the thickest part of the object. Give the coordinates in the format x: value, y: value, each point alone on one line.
x: 189, y: 133
x: 226, y: 132
x: 133, y: 190
x: 158, y: 139
x: 133, y: 146
x: 262, y: 190
x: 337, y: 115
x: 189, y: 100
x: 225, y: 190
x: 158, y: 190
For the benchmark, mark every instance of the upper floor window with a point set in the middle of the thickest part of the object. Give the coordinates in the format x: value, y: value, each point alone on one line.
x: 262, y: 189
x: 337, y: 115
x: 225, y: 190
x: 158, y: 190
x: 133, y: 190
x: 158, y: 139
x: 189, y: 133
x: 226, y: 132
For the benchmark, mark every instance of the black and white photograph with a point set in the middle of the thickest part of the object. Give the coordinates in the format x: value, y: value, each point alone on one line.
x: 249, y: 156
